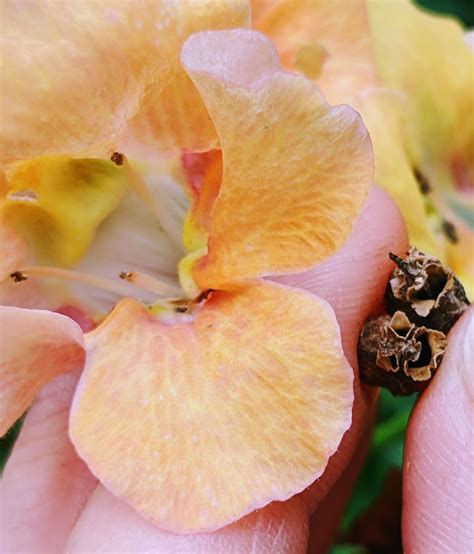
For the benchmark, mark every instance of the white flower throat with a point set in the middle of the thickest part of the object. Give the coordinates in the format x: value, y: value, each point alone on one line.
x: 135, y: 252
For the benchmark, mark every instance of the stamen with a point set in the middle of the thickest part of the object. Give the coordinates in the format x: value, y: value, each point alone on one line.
x: 138, y: 184
x: 149, y: 283
x: 93, y: 280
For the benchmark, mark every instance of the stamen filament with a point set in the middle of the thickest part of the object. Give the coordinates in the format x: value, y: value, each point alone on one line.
x: 151, y: 284
x: 138, y: 185
x: 103, y: 283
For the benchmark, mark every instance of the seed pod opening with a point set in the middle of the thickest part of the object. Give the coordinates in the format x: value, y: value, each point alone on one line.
x: 429, y: 293
x: 397, y: 354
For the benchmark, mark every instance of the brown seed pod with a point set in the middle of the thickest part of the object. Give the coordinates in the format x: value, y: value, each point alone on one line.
x: 397, y: 354
x: 429, y: 293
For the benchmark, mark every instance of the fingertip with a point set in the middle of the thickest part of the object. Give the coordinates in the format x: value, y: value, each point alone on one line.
x: 45, y: 484
x: 110, y: 525
x: 438, y: 487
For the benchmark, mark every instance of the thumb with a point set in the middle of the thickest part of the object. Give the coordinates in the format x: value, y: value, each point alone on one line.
x: 438, y: 486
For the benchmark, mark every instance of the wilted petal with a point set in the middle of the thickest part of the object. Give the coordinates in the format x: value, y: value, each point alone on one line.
x: 75, y: 73
x: 36, y: 347
x: 194, y: 437
x: 296, y: 172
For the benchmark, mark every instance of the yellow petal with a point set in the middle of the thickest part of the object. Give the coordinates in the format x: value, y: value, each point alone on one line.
x: 57, y: 203
x: 296, y: 172
x: 460, y: 257
x: 74, y: 74
x: 198, y: 423
x: 325, y: 39
x: 36, y: 347
x: 385, y: 114
x: 427, y: 57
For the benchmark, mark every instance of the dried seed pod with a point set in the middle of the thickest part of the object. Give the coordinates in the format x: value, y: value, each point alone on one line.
x: 429, y: 293
x: 397, y: 354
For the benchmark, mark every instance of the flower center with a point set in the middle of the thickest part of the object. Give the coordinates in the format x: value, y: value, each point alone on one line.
x: 154, y: 264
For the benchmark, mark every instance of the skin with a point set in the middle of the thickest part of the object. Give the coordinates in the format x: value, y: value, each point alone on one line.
x: 51, y: 503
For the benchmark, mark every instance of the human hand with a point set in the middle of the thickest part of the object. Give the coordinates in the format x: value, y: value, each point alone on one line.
x: 51, y: 503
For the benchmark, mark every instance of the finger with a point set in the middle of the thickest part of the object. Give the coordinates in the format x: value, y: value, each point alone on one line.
x: 353, y: 282
x: 324, y: 523
x: 361, y: 268
x: 110, y: 525
x: 45, y: 485
x: 438, y: 482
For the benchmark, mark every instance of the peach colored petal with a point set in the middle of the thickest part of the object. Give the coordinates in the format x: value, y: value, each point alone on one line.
x: 303, y: 29
x: 36, y: 347
x: 14, y: 250
x: 196, y: 167
x: 14, y: 254
x: 172, y: 114
x: 204, y: 174
x: 198, y: 423
x: 74, y: 74
x: 296, y: 172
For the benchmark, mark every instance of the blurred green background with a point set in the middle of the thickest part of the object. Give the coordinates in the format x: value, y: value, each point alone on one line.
x: 386, y: 452
x: 462, y: 9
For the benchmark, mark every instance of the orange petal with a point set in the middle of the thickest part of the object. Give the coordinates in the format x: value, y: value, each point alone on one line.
x: 198, y: 423
x: 75, y: 74
x: 196, y: 168
x: 296, y: 172
x: 36, y: 347
x: 172, y: 114
x: 303, y: 29
x: 204, y: 175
